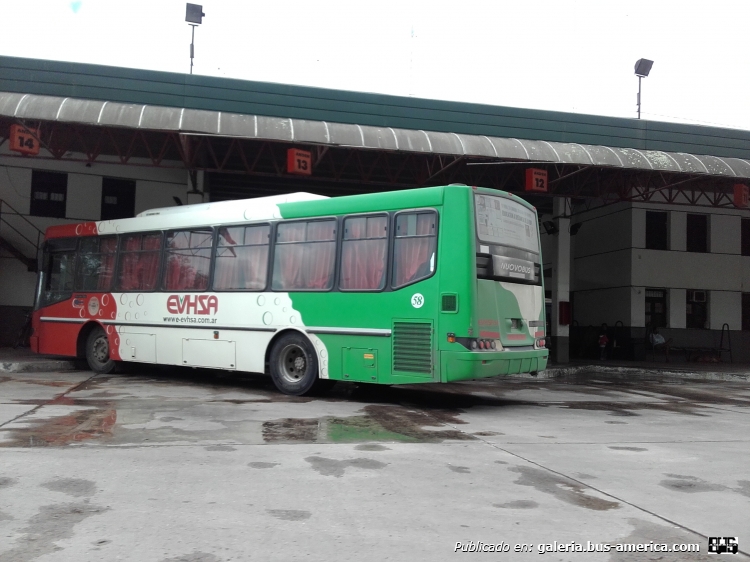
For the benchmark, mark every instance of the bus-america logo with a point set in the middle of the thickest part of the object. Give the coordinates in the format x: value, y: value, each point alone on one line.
x: 193, y: 304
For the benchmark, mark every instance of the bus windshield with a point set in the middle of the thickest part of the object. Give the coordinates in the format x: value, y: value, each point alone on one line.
x: 508, y: 240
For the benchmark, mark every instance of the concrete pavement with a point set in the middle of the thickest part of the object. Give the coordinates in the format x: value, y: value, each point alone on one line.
x: 172, y: 465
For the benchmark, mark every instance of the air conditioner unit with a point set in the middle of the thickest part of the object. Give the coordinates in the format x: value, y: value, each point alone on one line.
x: 699, y: 296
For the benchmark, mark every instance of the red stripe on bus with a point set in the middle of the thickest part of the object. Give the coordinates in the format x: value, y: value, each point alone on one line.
x: 516, y: 336
x: 539, y: 334
x: 69, y: 230
x: 494, y: 335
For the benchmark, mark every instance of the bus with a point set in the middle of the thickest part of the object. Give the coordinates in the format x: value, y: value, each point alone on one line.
x: 429, y: 285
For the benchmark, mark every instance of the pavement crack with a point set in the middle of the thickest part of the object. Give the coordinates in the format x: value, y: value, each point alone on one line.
x: 577, y: 481
x: 57, y: 397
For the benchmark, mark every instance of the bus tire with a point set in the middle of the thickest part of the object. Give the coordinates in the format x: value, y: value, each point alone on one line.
x: 294, y: 365
x: 97, y: 352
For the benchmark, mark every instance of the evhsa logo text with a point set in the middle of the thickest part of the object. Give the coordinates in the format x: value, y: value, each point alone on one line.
x: 193, y: 304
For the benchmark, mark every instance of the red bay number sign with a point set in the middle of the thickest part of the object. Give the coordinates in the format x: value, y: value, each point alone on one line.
x: 298, y: 162
x: 741, y: 195
x: 536, y: 180
x: 24, y: 140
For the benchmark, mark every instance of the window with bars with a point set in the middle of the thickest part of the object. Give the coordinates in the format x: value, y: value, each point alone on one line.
x: 49, y: 192
x: 656, y: 308
x: 657, y: 230
x: 697, y: 233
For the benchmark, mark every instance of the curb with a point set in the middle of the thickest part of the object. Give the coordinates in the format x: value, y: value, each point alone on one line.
x: 555, y: 372
x: 43, y: 366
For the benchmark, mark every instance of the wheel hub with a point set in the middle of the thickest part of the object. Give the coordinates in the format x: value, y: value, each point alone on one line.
x: 101, y: 350
x: 293, y: 363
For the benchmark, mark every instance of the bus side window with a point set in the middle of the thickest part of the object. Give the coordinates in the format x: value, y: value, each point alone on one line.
x: 59, y: 270
x: 242, y: 258
x: 138, y: 262
x: 414, y: 247
x: 363, y: 253
x: 188, y: 260
x: 96, y: 263
x: 304, y: 256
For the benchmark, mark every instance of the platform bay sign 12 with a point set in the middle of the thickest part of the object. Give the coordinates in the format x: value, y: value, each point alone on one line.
x: 536, y: 180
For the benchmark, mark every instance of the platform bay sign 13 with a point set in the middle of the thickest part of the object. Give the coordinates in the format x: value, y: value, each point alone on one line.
x: 298, y: 162
x: 24, y: 140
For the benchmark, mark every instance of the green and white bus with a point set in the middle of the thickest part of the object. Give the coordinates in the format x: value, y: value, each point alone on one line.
x: 437, y: 284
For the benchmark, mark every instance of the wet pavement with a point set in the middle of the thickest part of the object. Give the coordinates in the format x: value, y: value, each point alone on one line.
x: 182, y: 465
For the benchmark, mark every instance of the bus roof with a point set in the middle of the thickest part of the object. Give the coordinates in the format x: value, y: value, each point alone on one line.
x: 288, y: 206
x: 220, y: 208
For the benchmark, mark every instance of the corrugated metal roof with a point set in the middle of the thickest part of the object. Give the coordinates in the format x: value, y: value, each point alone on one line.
x: 380, y: 112
x: 201, y: 122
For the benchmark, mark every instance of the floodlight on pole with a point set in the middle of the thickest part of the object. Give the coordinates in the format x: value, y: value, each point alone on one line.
x: 642, y: 68
x: 194, y: 16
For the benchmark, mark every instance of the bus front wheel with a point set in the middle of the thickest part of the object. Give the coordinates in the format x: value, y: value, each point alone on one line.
x: 97, y: 352
x: 294, y: 365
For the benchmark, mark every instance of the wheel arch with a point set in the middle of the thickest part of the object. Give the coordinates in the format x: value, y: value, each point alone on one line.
x: 315, y: 342
x: 83, y: 336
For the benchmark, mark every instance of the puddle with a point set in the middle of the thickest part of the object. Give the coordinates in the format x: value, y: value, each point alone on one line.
x: 196, y: 556
x: 690, y: 484
x: 333, y: 467
x: 52, y: 524
x: 647, y: 532
x: 379, y: 423
x: 262, y: 464
x: 517, y: 504
x: 561, y: 488
x: 76, y: 487
x: 289, y: 514
x: 628, y: 409
x: 59, y: 431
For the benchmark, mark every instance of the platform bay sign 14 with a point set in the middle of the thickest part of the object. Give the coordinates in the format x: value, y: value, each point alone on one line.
x: 23, y: 140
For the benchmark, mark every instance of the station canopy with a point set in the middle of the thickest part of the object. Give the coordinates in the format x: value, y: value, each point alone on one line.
x: 361, y: 142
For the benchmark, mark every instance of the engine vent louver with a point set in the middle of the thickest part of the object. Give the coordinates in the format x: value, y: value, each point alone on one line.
x: 412, y: 347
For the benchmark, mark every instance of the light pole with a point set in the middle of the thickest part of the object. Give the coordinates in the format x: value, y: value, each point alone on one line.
x: 194, y: 16
x: 642, y: 68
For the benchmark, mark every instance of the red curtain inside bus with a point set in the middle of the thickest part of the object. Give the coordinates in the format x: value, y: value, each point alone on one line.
x: 107, y: 247
x: 242, y: 258
x: 139, y: 262
x: 363, y: 255
x: 188, y: 260
x: 305, y: 256
x: 414, y: 247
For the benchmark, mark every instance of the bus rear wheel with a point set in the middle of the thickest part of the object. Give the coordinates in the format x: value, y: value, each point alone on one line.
x: 294, y: 365
x: 97, y: 352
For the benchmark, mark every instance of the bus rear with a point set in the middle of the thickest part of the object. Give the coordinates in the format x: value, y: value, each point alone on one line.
x: 498, y: 324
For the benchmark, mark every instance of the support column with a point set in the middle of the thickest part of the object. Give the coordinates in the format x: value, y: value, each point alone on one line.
x: 196, y: 192
x: 560, y: 352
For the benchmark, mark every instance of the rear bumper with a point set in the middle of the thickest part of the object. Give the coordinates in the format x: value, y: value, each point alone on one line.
x: 465, y: 365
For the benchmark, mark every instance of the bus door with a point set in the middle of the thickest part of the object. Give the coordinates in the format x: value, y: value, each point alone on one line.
x: 414, y: 264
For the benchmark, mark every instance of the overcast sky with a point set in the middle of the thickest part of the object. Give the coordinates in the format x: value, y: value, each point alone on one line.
x: 562, y: 55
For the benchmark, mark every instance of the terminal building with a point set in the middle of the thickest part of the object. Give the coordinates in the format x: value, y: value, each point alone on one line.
x: 644, y: 224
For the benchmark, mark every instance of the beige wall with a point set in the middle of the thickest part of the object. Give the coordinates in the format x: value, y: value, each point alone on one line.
x: 155, y: 187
